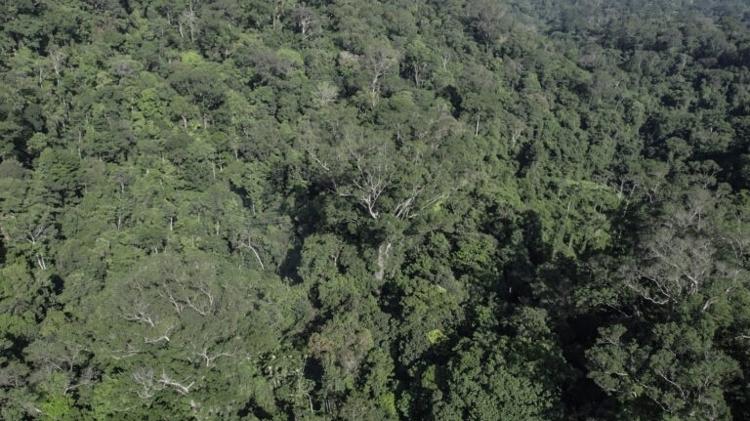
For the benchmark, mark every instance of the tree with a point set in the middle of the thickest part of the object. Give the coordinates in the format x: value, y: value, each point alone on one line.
x: 390, y: 184
x: 502, y: 377
x: 685, y: 255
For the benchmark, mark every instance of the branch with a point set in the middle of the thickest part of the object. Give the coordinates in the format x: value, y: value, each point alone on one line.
x: 210, y: 359
x: 145, y: 378
x: 140, y: 317
x: 179, y: 387
x: 163, y: 337
x: 250, y: 247
x: 178, y: 306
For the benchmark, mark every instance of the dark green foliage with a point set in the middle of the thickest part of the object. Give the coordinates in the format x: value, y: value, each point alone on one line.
x: 384, y: 210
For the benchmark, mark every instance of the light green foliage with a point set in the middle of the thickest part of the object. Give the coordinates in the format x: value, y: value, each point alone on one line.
x: 435, y: 335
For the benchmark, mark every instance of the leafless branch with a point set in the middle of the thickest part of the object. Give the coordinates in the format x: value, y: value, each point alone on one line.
x: 163, y: 337
x: 181, y: 388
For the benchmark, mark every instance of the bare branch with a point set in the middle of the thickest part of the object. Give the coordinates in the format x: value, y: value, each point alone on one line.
x: 181, y: 388
x: 139, y: 315
x: 145, y: 379
x: 164, y: 337
x: 210, y: 358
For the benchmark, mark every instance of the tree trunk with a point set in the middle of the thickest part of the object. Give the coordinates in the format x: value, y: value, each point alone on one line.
x: 383, y: 251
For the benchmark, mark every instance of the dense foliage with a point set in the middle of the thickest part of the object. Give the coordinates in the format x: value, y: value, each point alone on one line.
x: 374, y: 210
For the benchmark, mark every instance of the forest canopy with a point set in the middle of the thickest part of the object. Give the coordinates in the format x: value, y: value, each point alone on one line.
x: 374, y: 210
